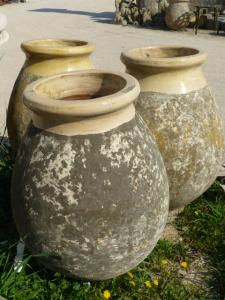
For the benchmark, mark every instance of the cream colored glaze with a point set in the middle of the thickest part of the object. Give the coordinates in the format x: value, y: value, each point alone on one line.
x: 110, y: 103
x: 169, y: 82
x: 52, y: 56
x: 57, y: 47
x: 49, y: 67
x: 166, y: 69
x: 43, y: 58
x: 118, y: 90
x: 70, y: 127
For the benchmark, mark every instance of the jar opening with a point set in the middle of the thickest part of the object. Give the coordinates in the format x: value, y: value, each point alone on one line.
x: 82, y: 93
x: 86, y: 87
x: 57, y: 47
x: 166, y: 52
x: 51, y: 43
x: 82, y: 97
x: 79, y: 97
x: 164, y: 57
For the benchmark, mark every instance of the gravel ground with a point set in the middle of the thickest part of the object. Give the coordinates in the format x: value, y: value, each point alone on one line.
x: 93, y: 20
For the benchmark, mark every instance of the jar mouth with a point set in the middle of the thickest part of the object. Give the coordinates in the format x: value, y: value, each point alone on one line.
x: 57, y: 47
x: 81, y: 93
x: 164, y: 56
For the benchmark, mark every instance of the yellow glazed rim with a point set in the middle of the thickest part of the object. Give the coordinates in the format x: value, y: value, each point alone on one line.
x: 164, y: 56
x: 58, y: 47
x: 41, y: 95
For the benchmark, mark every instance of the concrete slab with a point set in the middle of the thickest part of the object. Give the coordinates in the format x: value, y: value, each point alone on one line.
x: 93, y: 20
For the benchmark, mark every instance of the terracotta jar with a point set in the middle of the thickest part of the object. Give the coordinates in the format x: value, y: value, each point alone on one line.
x: 178, y: 14
x: 4, y: 36
x: 43, y: 58
x: 178, y: 107
x: 89, y: 182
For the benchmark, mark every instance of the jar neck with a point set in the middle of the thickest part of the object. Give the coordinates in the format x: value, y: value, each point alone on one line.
x: 168, y: 80
x: 46, y: 65
x: 71, y: 126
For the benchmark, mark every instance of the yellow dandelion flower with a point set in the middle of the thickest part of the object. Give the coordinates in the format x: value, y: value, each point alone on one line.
x: 164, y: 262
x: 156, y: 282
x: 130, y: 274
x: 107, y: 294
x: 184, y: 264
x: 148, y: 284
x: 132, y: 283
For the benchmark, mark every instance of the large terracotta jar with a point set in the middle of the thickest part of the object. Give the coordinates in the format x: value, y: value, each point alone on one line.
x: 177, y: 105
x: 89, y: 182
x: 43, y: 58
x: 178, y: 14
x: 4, y: 36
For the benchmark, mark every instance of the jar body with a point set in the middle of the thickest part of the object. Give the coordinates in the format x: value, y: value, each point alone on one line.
x: 189, y: 133
x: 35, y: 67
x: 178, y: 107
x: 178, y: 15
x: 99, y: 201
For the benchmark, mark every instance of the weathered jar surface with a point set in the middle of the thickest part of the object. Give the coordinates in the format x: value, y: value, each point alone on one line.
x: 89, y: 182
x: 177, y: 105
x: 178, y: 14
x: 43, y: 58
x: 4, y: 36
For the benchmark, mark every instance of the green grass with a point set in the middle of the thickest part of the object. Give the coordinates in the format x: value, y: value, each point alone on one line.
x: 202, y: 230
x: 203, y: 227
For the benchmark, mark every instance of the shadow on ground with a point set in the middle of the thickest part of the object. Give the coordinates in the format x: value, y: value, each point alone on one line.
x: 101, y: 17
x: 221, y: 34
x: 8, y: 233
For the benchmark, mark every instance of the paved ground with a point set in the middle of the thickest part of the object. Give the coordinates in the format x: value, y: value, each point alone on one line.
x: 93, y: 20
